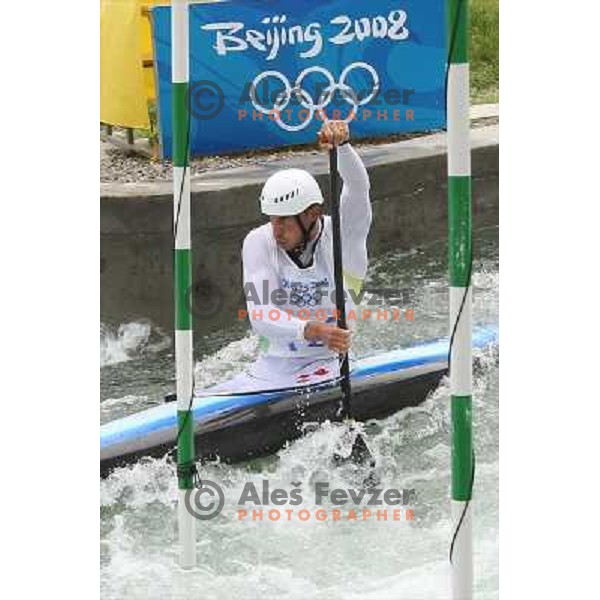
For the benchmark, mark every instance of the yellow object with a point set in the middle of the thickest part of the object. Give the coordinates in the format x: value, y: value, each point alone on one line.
x: 126, y: 85
x: 353, y: 283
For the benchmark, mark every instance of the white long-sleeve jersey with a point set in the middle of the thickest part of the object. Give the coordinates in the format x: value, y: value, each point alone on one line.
x: 281, y: 296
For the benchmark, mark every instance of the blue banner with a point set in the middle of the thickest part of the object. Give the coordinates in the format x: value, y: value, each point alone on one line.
x: 266, y: 74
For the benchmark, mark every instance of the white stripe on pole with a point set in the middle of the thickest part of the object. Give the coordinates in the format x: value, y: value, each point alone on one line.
x: 187, y: 531
x: 459, y: 145
x: 185, y: 371
x: 183, y: 212
x: 179, y: 29
x: 461, y: 377
x: 462, y: 557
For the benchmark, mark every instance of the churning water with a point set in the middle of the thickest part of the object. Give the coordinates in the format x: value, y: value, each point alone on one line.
x: 308, y: 560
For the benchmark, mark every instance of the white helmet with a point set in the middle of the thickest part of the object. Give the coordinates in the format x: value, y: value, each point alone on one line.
x: 289, y: 192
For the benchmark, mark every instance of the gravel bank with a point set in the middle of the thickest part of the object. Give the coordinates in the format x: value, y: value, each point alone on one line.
x: 117, y: 165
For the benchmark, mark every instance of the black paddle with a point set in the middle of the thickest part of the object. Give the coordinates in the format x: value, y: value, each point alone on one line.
x: 360, y: 452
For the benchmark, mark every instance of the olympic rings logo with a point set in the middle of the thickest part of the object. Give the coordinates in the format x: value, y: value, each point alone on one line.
x: 307, y: 101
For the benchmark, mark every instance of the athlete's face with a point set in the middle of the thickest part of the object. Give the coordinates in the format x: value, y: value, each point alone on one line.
x: 287, y: 232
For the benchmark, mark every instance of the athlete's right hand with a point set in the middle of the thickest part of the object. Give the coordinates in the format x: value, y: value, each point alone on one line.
x: 335, y: 338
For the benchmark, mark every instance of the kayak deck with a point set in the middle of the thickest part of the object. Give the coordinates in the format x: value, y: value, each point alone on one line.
x: 242, y: 426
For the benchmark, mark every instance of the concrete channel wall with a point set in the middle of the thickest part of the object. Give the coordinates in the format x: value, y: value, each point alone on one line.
x: 408, y: 194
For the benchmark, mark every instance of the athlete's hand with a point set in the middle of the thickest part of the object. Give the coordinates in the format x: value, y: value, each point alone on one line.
x: 332, y: 336
x: 333, y: 133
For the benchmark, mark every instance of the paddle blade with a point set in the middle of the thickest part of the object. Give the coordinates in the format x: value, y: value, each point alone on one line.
x: 360, y: 452
x: 359, y: 455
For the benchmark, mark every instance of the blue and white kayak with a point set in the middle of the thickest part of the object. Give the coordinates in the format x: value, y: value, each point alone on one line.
x: 245, y: 425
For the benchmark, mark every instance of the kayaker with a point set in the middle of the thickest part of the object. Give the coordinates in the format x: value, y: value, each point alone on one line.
x: 292, y: 258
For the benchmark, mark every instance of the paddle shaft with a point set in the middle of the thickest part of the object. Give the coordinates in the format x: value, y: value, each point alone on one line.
x: 338, y: 276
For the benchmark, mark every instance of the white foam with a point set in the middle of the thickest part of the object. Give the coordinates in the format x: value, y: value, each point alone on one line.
x: 227, y: 362
x: 129, y: 341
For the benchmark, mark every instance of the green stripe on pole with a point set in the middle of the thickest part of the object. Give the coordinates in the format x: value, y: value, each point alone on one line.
x: 462, y: 447
x: 459, y: 223
x: 186, y: 452
x: 182, y: 285
x: 180, y: 125
x: 458, y: 31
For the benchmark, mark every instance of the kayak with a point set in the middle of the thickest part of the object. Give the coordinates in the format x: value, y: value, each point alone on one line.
x: 240, y: 426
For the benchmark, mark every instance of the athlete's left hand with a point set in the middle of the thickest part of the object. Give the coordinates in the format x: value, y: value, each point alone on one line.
x: 333, y: 133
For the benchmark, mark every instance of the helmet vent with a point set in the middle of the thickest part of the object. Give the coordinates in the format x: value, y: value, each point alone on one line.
x: 289, y: 192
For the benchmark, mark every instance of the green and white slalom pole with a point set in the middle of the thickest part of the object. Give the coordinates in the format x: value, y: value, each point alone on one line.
x: 460, y: 257
x: 183, y: 277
